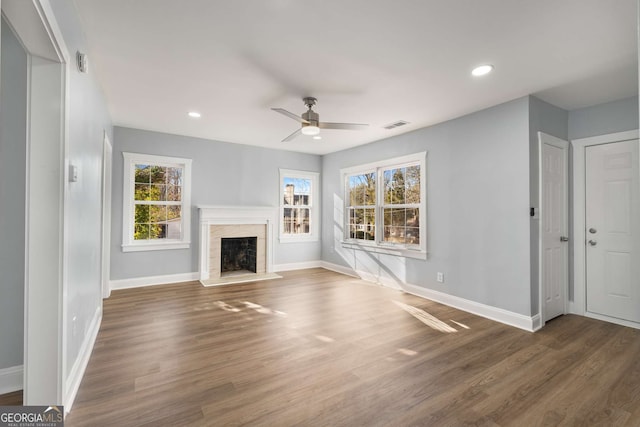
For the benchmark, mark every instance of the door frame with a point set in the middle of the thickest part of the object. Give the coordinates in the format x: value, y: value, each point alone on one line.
x: 579, y: 304
x: 544, y: 138
x: 46, y: 175
x: 107, y: 171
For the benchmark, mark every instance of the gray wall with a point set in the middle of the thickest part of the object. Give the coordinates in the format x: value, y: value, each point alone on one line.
x: 13, y: 138
x: 222, y: 174
x: 88, y: 120
x: 477, y: 207
x: 616, y: 116
x: 547, y: 118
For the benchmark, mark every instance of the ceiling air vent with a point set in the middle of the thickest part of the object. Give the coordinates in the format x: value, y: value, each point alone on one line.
x: 395, y: 124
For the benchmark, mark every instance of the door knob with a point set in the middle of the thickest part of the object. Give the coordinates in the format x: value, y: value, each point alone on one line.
x: 564, y: 239
x: 593, y: 242
x: 593, y: 230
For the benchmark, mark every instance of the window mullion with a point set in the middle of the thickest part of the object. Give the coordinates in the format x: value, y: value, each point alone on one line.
x: 157, y: 202
x: 379, y: 202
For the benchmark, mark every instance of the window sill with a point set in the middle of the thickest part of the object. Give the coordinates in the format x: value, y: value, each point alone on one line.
x: 155, y: 246
x: 387, y: 250
x: 298, y: 239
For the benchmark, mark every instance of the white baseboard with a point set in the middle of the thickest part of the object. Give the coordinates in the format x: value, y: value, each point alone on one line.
x: 494, y: 313
x: 536, y: 322
x: 510, y: 318
x: 138, y: 282
x: 297, y: 266
x: 338, y: 269
x: 80, y: 365
x: 11, y: 379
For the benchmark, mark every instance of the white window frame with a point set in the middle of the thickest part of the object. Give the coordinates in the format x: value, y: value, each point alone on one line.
x: 314, y: 199
x: 128, y: 204
x: 378, y: 245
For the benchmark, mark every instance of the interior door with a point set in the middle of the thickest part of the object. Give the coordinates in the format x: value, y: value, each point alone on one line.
x: 613, y: 229
x: 554, y: 225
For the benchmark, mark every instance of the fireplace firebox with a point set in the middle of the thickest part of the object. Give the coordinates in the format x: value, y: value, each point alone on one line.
x: 238, y: 255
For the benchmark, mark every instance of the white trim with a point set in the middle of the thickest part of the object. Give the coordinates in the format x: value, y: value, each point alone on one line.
x: 378, y: 246
x: 79, y: 367
x: 44, y: 370
x: 11, y: 379
x: 494, y: 313
x: 314, y: 207
x: 160, y: 246
x: 226, y: 215
x: 139, y: 282
x: 297, y: 266
x: 384, y: 249
x: 521, y: 321
x: 107, y: 174
x: 347, y: 271
x: 579, y: 304
x: 562, y: 144
x: 409, y: 158
x: 606, y: 139
x: 128, y: 205
x: 536, y: 322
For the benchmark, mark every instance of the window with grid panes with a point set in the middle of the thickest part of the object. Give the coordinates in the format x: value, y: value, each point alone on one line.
x: 298, y: 205
x: 156, y: 202
x: 385, y: 205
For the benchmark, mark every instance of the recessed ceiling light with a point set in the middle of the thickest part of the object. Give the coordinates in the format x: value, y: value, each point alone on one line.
x: 195, y: 114
x: 482, y: 70
x: 317, y: 137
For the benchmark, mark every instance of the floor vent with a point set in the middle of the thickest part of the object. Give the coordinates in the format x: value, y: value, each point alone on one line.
x: 396, y: 124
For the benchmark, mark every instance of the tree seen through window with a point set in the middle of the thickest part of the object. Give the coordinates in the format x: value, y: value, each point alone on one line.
x: 157, y: 202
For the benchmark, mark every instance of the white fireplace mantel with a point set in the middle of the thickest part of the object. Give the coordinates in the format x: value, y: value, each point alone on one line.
x: 228, y: 215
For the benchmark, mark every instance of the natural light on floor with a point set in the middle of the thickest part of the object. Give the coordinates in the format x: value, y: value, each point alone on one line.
x: 324, y: 338
x: 426, y: 318
x: 245, y: 304
x: 462, y: 325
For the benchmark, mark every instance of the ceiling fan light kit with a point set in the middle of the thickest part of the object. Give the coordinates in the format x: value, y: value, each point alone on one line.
x: 310, y: 130
x: 310, y: 121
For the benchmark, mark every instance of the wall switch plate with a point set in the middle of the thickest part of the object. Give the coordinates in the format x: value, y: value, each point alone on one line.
x: 73, y: 173
x: 440, y: 277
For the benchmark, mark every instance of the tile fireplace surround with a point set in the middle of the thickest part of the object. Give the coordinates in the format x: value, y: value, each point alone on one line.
x: 217, y: 222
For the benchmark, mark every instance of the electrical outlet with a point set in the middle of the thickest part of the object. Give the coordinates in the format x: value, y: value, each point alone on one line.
x: 440, y: 277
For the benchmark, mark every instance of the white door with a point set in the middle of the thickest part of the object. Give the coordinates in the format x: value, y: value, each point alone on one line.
x: 613, y: 230
x: 554, y: 224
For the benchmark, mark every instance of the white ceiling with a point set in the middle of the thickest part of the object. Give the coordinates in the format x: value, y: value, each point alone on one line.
x: 367, y: 61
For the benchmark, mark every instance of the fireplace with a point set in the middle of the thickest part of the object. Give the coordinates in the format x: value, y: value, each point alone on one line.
x: 236, y: 244
x: 238, y: 255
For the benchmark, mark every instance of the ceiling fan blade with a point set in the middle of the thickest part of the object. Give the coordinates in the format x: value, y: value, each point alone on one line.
x: 291, y: 115
x: 343, y: 126
x: 293, y: 136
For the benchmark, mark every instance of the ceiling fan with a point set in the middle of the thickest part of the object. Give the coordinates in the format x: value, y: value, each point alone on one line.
x: 311, y: 123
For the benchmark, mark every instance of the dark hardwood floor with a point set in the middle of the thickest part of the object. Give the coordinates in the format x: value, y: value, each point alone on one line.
x: 11, y: 399
x: 318, y: 348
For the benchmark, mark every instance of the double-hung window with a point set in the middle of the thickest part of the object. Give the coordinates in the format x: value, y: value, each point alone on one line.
x: 362, y: 205
x: 298, y: 206
x: 385, y: 206
x: 156, y: 202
